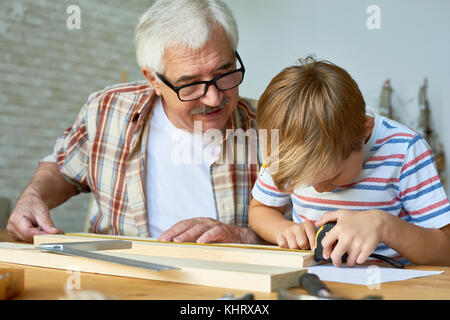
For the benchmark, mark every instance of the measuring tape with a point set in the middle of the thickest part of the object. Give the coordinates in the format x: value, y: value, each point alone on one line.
x: 240, y: 246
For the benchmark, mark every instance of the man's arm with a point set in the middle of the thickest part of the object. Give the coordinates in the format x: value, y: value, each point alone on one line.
x: 46, y: 190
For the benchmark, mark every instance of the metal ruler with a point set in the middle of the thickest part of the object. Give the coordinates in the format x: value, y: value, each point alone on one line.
x: 84, y: 249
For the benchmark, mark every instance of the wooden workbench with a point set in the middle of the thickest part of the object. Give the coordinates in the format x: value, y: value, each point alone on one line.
x: 49, y: 284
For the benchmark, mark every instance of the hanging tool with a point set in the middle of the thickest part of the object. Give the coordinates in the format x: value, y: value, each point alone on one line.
x: 84, y: 249
x: 318, y: 251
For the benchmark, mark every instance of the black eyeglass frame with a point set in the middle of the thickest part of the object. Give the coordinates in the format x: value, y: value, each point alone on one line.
x: 208, y: 83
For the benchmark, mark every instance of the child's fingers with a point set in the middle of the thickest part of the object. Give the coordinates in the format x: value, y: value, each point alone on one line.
x: 339, y: 250
x: 281, y: 241
x: 301, y: 239
x: 329, y: 241
x: 364, y: 254
x: 327, y: 217
x: 291, y: 240
x: 353, y: 253
x: 310, y: 231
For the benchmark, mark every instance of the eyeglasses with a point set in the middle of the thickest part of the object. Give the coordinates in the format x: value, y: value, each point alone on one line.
x: 196, y: 90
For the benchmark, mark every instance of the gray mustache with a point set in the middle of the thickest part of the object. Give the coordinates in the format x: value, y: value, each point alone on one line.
x: 206, y: 109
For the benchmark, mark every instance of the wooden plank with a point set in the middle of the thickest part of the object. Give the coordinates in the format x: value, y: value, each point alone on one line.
x: 252, y: 277
x: 253, y: 254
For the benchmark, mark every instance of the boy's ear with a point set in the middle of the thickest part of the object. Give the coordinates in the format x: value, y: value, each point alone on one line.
x: 370, y: 123
x: 149, y: 75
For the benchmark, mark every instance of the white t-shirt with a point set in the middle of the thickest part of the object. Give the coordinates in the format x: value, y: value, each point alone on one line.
x: 178, y: 174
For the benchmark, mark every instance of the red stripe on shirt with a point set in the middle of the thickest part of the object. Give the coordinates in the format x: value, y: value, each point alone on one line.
x: 394, y: 135
x: 381, y: 158
x: 347, y: 203
x: 267, y: 186
x: 417, y: 159
x: 370, y: 179
x: 420, y: 185
x: 429, y: 208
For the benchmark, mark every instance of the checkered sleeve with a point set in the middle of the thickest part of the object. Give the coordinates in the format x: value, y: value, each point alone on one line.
x: 70, y: 153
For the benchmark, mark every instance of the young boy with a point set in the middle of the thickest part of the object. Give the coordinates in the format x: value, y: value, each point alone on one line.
x: 336, y: 161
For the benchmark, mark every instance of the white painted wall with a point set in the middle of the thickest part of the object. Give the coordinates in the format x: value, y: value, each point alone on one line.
x: 413, y: 43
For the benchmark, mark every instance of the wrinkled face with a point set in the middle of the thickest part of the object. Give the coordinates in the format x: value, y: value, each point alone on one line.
x: 341, y: 174
x: 185, y: 66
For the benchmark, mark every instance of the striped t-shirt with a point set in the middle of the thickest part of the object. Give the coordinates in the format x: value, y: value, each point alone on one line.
x: 398, y: 176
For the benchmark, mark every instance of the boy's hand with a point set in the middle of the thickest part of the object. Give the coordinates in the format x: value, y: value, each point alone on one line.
x: 358, y: 234
x: 298, y: 236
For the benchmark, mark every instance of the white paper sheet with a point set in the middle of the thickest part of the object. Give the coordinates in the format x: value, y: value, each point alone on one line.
x: 366, y: 275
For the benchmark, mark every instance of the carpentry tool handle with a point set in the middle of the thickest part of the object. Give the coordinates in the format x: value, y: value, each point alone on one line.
x: 313, y: 284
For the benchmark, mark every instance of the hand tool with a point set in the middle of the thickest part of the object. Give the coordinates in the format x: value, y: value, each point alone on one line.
x: 317, y: 291
x: 84, y: 248
x: 230, y: 296
x: 318, y: 251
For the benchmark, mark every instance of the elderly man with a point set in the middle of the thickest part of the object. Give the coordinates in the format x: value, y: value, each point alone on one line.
x: 123, y: 145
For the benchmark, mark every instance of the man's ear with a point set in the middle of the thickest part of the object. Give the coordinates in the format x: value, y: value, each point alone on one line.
x: 149, y: 75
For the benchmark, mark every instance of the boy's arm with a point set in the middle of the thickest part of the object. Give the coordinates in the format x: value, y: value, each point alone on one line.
x: 359, y: 234
x: 419, y: 245
x: 267, y: 221
x: 271, y: 225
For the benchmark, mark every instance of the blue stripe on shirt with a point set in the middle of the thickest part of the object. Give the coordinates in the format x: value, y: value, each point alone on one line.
x: 416, y: 168
x: 387, y: 125
x: 422, y: 192
x: 270, y: 193
x: 414, y: 140
x: 383, y: 164
x: 428, y: 216
x: 320, y: 208
x: 371, y: 187
x: 375, y: 148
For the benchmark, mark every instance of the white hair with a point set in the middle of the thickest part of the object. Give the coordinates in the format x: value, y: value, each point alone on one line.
x: 170, y: 23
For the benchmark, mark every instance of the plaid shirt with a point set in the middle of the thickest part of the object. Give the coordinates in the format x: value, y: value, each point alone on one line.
x: 105, y: 152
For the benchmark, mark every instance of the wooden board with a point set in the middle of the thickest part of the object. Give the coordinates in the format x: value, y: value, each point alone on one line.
x: 238, y: 253
x: 252, y: 277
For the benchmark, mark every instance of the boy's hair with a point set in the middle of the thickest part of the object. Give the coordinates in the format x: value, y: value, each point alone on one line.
x: 320, y: 114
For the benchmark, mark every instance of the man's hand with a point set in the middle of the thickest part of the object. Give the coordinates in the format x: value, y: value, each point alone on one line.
x: 358, y: 234
x: 298, y: 236
x: 46, y: 190
x: 205, y: 230
x: 30, y: 217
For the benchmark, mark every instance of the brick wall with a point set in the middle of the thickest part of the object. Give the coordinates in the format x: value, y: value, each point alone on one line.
x: 46, y: 74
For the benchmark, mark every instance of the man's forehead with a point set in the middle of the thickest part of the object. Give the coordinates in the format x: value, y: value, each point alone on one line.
x: 181, y: 61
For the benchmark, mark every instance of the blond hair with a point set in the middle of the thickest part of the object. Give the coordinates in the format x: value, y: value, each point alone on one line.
x: 320, y: 113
